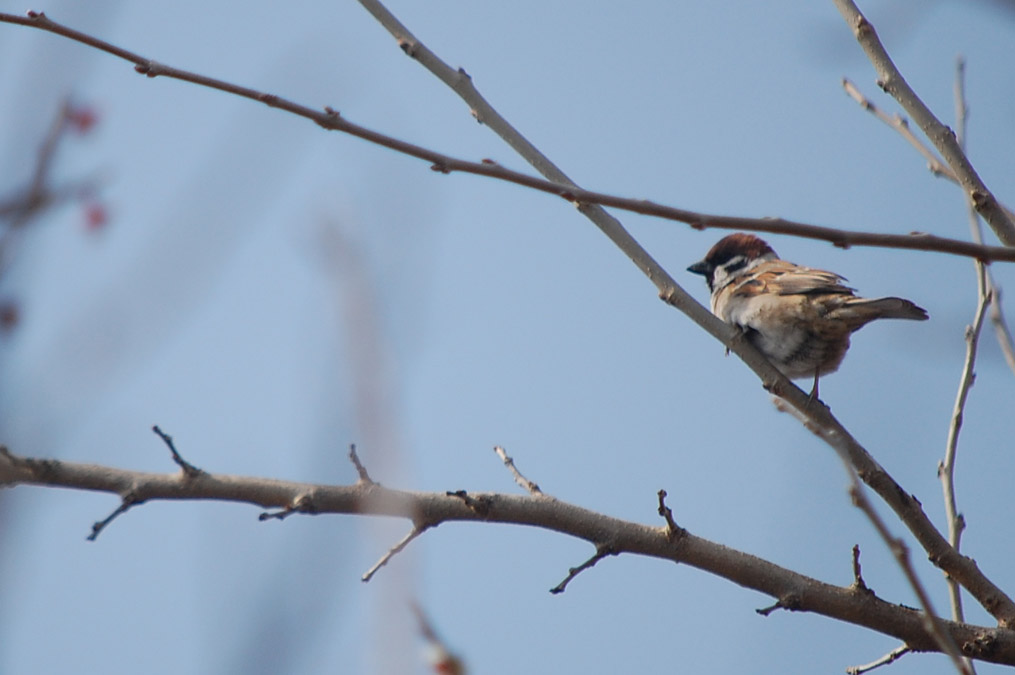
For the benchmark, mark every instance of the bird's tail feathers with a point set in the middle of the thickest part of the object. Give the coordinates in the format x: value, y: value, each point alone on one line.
x: 886, y: 308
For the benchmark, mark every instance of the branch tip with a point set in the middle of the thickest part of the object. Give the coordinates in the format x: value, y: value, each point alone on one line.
x: 602, y: 550
x: 673, y: 531
x: 189, y: 470
x: 302, y: 503
x: 789, y: 602
x: 890, y: 657
x: 858, y: 582
x: 364, y: 477
x: 417, y: 529
x: 126, y: 502
x: 522, y: 481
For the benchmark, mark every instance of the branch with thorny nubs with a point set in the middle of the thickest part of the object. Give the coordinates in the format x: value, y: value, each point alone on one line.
x: 610, y: 536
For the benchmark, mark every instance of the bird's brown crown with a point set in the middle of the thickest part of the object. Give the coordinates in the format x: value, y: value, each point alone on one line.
x: 740, y: 243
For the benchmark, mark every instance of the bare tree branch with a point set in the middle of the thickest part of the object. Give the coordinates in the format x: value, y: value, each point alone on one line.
x: 946, y: 468
x: 943, y: 138
x: 938, y: 168
x: 987, y: 290
x: 900, y: 124
x: 908, y: 509
x: 24, y: 204
x: 934, y: 625
x: 559, y: 185
x: 996, y: 645
x: 1001, y: 329
x: 813, y: 413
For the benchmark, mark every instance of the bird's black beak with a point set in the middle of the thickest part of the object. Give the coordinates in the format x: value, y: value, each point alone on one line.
x: 701, y: 267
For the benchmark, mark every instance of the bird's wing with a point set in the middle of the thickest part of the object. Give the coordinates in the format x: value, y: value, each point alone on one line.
x: 784, y: 278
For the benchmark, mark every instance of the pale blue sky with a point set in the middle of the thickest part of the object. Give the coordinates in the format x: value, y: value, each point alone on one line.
x: 214, y: 304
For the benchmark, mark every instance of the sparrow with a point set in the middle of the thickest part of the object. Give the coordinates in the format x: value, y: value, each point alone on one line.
x: 800, y: 318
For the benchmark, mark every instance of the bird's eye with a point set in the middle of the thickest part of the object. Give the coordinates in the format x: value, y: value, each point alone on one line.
x: 735, y: 264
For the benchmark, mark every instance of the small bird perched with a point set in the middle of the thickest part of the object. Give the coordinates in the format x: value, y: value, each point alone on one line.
x: 798, y: 317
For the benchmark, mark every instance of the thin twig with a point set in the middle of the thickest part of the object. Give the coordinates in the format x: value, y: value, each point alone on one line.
x: 1001, y: 329
x: 417, y: 530
x: 900, y: 124
x: 127, y: 502
x: 601, y: 552
x: 943, y: 138
x: 189, y: 469
x: 890, y: 657
x: 361, y: 470
x: 673, y: 531
x: 765, y: 611
x: 36, y: 195
x: 27, y: 203
x: 946, y: 468
x: 590, y: 202
x: 790, y: 601
x: 984, y: 277
x: 301, y: 503
x: 858, y: 582
x: 524, y: 482
x: 899, y: 549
